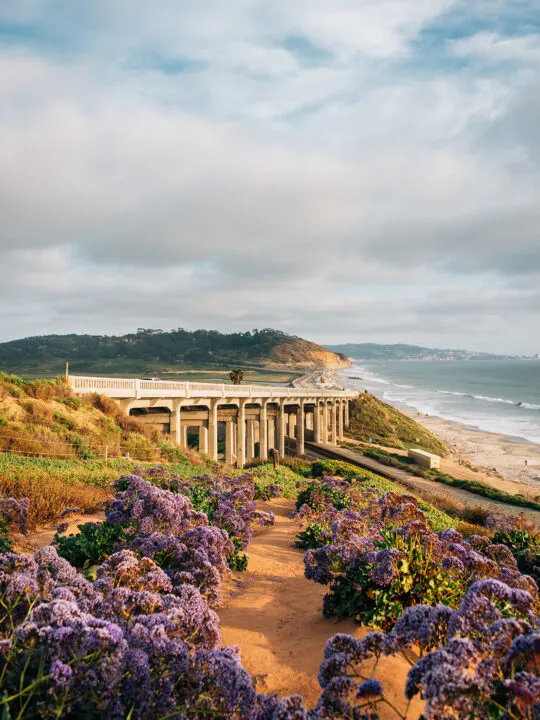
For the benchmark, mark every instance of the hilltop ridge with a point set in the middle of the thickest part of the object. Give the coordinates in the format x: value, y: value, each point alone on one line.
x: 154, y: 351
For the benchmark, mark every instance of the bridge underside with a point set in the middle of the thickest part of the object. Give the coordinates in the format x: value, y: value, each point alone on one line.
x: 238, y: 430
x: 238, y: 423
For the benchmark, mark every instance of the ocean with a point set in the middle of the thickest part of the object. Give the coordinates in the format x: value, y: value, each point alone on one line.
x: 501, y: 396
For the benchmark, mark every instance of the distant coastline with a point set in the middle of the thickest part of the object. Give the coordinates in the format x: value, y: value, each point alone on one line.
x: 367, y: 352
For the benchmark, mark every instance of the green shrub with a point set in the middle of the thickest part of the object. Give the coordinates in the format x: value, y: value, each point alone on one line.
x: 239, y: 559
x: 91, y: 546
x: 378, y: 601
x: 525, y: 547
x: 317, y: 495
x: 202, y: 501
x: 316, y: 535
x: 266, y: 474
x: 5, y: 542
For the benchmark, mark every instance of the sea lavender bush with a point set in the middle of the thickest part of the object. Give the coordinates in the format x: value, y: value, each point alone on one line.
x: 13, y: 518
x: 129, y: 644
x: 474, y: 662
x: 332, y: 491
x: 384, y: 558
x: 160, y: 522
x: 228, y: 502
x: 14, y: 513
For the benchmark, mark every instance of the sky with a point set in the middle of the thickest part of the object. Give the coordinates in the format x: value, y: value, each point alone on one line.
x: 346, y: 171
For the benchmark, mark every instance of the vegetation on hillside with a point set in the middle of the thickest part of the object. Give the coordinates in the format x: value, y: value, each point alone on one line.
x: 45, y: 418
x: 147, y: 349
x: 52, y: 485
x: 372, y: 418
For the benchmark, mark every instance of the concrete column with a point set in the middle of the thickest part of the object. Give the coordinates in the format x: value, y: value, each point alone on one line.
x: 175, y: 421
x: 341, y: 413
x: 281, y: 428
x: 292, y: 424
x: 203, y: 439
x: 271, y: 430
x: 324, y: 421
x: 263, y: 433
x: 301, y: 422
x: 317, y: 423
x: 241, y: 435
x: 184, y: 436
x: 212, y: 430
x: 250, y: 450
x: 334, y: 423
x: 229, y: 442
x: 347, y: 421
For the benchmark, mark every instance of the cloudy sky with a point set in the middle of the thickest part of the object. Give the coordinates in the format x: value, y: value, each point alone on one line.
x: 345, y: 170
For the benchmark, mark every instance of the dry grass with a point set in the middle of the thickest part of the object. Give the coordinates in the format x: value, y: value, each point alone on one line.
x: 468, y: 529
x: 473, y: 516
x: 127, y: 423
x: 44, y: 418
x: 49, y: 495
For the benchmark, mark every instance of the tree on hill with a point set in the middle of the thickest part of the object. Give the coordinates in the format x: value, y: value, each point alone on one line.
x: 236, y: 376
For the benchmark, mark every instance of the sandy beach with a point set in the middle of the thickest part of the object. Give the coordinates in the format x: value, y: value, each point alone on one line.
x: 499, y: 456
x: 509, y: 463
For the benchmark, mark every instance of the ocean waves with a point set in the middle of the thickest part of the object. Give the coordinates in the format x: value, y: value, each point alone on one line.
x: 486, y: 398
x: 460, y: 392
x: 370, y: 377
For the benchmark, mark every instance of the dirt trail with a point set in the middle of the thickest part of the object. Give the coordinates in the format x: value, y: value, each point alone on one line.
x: 45, y: 534
x: 274, y: 615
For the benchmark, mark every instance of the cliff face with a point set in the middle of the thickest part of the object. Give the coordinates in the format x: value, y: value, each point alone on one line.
x: 305, y: 354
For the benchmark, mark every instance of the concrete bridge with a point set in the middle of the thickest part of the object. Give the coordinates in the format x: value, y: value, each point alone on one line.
x: 246, y: 420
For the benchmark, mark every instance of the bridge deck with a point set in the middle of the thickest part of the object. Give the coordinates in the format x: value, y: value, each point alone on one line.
x: 135, y: 388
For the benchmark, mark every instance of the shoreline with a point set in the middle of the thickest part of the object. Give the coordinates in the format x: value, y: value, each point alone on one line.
x: 491, y: 452
x: 500, y: 457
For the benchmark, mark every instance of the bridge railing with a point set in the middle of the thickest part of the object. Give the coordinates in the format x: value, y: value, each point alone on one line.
x: 134, y: 388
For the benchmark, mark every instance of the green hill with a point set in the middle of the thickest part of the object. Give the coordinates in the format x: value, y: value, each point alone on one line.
x: 372, y: 418
x: 153, y: 351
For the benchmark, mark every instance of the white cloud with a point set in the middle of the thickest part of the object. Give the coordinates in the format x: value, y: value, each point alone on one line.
x: 337, y: 195
x: 494, y: 48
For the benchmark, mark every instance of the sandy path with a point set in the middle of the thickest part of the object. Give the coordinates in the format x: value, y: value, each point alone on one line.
x: 274, y: 615
x: 45, y: 534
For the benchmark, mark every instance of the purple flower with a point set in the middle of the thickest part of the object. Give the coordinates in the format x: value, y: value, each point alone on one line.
x: 61, y: 674
x: 370, y: 689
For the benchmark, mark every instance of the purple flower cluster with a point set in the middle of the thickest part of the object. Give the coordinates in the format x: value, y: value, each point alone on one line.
x: 141, y: 639
x: 389, y: 540
x: 14, y: 512
x: 131, y: 641
x: 474, y: 661
x: 505, y: 522
x: 147, y: 508
x: 163, y: 525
